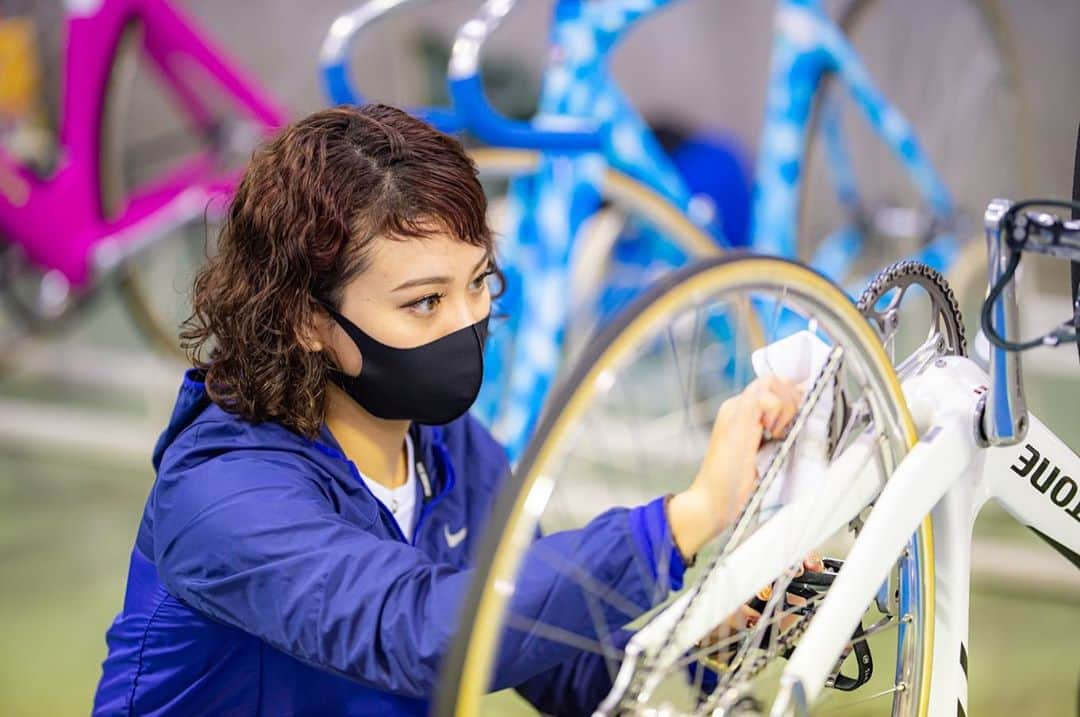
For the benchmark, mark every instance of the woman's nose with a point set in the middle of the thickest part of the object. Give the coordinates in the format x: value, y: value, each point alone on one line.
x: 468, y: 313
x: 479, y: 308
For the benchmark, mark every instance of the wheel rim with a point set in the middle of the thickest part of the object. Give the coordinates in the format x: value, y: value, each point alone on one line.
x: 522, y: 509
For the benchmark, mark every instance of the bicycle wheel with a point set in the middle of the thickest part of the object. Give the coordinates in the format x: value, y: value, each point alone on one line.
x: 630, y: 423
x: 951, y: 70
x: 156, y: 284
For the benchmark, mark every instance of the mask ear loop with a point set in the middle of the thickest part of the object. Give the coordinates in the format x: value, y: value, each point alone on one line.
x: 334, y: 314
x: 332, y: 363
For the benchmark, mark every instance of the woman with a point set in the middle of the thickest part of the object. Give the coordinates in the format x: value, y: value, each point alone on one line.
x: 320, y: 487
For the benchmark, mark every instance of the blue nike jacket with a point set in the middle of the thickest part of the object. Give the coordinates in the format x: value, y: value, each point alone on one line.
x: 266, y: 579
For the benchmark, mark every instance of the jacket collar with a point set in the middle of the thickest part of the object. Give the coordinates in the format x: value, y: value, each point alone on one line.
x: 433, y: 469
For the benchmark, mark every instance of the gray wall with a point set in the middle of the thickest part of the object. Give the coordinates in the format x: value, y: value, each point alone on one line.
x: 701, y: 60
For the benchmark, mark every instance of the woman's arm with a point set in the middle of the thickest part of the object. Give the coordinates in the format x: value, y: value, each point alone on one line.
x: 248, y: 539
x: 696, y: 515
x: 728, y: 472
x: 577, y: 686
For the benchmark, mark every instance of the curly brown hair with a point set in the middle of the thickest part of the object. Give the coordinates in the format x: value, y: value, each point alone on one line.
x: 298, y: 230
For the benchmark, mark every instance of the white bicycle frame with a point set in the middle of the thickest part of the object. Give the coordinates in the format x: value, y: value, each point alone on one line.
x: 950, y: 474
x: 947, y: 475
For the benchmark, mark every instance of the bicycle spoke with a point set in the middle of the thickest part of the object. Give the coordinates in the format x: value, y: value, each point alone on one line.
x: 596, y: 593
x: 868, y: 698
x: 561, y: 635
x: 695, y: 342
x: 589, y: 584
x: 712, y: 648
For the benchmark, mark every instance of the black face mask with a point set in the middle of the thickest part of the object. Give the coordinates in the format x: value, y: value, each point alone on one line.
x: 434, y: 383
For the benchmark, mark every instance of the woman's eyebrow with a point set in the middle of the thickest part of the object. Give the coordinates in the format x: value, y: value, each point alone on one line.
x: 424, y: 281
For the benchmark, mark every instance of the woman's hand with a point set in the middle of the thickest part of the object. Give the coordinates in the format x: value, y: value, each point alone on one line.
x: 728, y: 472
x: 722, y: 638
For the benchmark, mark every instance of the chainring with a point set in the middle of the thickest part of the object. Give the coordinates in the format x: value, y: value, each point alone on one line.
x: 945, y: 319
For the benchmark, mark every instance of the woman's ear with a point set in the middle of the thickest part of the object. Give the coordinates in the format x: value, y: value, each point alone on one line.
x: 314, y: 334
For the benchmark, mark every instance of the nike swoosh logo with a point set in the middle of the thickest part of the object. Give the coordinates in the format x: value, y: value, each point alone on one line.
x: 454, y: 539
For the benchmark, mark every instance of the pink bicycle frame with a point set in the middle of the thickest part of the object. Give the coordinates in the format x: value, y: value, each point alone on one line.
x: 58, y: 220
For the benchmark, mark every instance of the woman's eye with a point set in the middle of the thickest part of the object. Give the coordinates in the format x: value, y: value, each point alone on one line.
x: 480, y: 281
x: 426, y: 305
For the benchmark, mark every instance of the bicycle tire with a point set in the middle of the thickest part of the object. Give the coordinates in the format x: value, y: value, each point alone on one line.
x: 467, y: 666
x: 158, y: 332
x: 30, y: 322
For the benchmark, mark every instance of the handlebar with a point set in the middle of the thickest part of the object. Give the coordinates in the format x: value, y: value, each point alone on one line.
x: 483, y: 120
x: 1010, y: 231
x: 334, y: 68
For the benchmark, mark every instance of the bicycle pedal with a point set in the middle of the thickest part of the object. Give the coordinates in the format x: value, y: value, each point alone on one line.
x: 818, y: 581
x: 864, y: 662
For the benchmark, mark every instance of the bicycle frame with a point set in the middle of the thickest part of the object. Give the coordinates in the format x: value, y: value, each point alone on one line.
x: 59, y: 220
x: 584, y: 121
x: 807, y: 45
x: 1031, y: 481
x: 582, y: 110
x: 334, y: 56
x: 948, y: 476
x: 978, y: 442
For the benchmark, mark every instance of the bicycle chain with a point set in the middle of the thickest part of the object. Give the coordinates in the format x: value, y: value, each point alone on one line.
x: 813, y: 394
x: 903, y: 274
x: 785, y: 642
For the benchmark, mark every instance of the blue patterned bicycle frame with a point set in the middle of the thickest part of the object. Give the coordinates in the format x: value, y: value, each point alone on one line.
x: 586, y: 124
x: 546, y: 211
x: 807, y: 45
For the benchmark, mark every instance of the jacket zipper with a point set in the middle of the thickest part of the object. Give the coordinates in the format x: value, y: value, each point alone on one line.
x: 448, y: 471
x: 427, y: 506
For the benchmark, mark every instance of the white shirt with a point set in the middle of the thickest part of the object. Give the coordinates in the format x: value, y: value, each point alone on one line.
x: 400, y: 501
